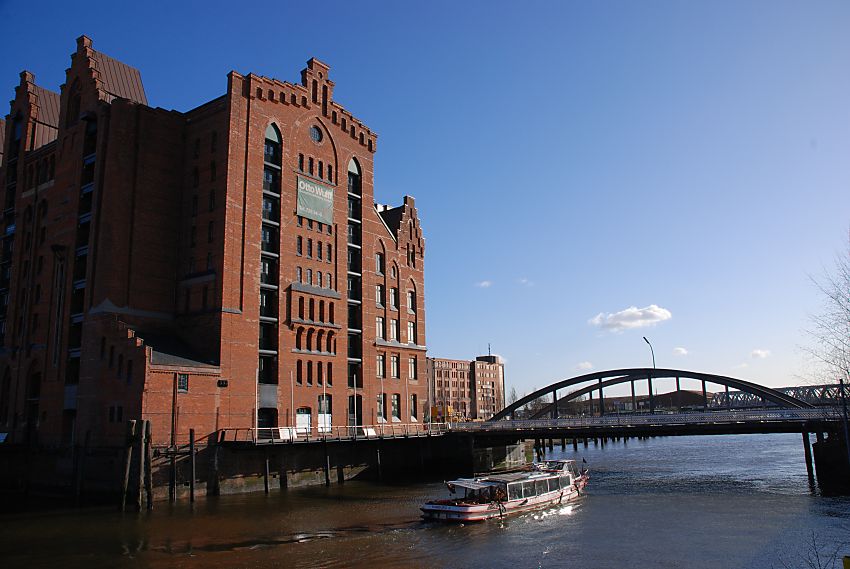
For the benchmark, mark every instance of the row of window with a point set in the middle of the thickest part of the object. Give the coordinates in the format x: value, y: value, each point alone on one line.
x: 43, y: 171
x: 323, y: 251
x: 112, y: 360
x: 306, y: 372
x: 316, y: 168
x: 381, y: 366
x: 193, y: 234
x: 307, y: 278
x: 311, y: 312
x: 213, y: 145
x: 196, y: 174
x: 210, y: 203
x: 381, y: 330
x: 381, y: 300
x: 320, y: 227
x: 395, y: 407
x: 315, y: 341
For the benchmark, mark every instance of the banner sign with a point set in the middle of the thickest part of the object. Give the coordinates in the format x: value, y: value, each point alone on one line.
x: 315, y: 201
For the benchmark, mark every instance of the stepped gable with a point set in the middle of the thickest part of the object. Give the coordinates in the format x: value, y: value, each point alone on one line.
x: 48, y: 102
x: 112, y: 78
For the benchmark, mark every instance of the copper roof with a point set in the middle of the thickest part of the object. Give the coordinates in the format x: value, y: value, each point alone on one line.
x: 48, y: 102
x: 119, y: 79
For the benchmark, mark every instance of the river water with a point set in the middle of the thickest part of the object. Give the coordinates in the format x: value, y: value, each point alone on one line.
x: 692, y: 502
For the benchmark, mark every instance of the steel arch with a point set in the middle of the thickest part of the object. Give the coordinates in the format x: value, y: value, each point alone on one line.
x: 618, y: 376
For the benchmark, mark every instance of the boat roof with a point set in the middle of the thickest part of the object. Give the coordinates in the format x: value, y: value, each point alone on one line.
x: 471, y: 484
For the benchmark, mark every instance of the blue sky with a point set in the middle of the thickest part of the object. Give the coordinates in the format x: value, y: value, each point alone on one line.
x: 570, y: 160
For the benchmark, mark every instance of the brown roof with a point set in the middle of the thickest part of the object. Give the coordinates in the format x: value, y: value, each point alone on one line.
x: 48, y: 102
x: 119, y: 79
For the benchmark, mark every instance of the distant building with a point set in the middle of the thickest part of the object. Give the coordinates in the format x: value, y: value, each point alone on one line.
x: 466, y: 390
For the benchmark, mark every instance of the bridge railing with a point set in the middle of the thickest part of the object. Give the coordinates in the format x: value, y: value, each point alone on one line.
x: 278, y: 435
x: 626, y: 420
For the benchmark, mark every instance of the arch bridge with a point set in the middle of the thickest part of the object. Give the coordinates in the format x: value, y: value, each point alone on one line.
x: 572, y: 390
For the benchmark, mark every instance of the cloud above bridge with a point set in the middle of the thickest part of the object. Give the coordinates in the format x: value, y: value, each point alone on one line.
x: 584, y: 366
x: 680, y: 351
x: 484, y: 284
x: 758, y: 354
x: 631, y: 317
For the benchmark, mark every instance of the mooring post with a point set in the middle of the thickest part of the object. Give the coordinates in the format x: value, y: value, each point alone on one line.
x: 563, y: 443
x: 128, y: 457
x: 808, y: 450
x: 148, y: 465
x: 585, y: 442
x: 192, y: 465
x: 141, y: 477
x: 266, y: 473
x: 327, y: 463
x: 380, y: 474
x: 575, y: 444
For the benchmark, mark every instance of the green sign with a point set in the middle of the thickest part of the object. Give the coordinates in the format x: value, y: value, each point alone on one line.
x: 315, y: 201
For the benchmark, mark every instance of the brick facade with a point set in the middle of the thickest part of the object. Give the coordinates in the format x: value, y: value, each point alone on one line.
x: 154, y: 263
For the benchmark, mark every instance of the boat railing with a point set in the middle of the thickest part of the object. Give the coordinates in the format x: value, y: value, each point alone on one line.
x: 628, y: 419
x: 280, y: 435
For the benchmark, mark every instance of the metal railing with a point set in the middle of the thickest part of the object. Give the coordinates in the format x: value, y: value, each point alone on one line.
x: 661, y: 419
x: 281, y: 435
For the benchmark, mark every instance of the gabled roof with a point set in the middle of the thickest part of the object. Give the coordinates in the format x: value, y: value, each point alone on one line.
x: 48, y: 101
x: 170, y: 350
x: 119, y: 79
x: 392, y: 217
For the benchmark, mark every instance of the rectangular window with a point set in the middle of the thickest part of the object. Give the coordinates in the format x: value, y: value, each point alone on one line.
x: 411, y: 301
x: 394, y: 329
x: 413, y: 406
x: 301, y: 163
x: 379, y: 263
x: 379, y: 327
x: 393, y: 298
x: 396, y: 407
x: 319, y: 250
x: 379, y: 295
x: 310, y: 165
x: 298, y: 245
x: 309, y: 248
x: 381, y: 365
x: 329, y: 248
x: 411, y: 368
x: 411, y: 333
x: 394, y: 367
x: 183, y: 382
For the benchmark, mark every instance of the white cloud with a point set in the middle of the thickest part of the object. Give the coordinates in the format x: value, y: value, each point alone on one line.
x: 584, y: 366
x: 484, y: 284
x: 631, y: 317
x: 525, y: 282
x: 744, y: 365
x: 680, y: 351
x: 759, y: 354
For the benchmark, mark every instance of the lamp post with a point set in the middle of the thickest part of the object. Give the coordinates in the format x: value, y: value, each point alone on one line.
x: 651, y: 402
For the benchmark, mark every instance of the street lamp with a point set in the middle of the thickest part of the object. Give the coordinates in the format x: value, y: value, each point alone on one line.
x: 651, y: 351
x: 651, y: 401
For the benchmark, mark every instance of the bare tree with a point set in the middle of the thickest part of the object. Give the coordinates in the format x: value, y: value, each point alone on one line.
x: 512, y: 396
x: 830, y: 328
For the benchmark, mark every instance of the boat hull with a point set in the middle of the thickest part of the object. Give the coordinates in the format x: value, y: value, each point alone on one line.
x: 480, y: 512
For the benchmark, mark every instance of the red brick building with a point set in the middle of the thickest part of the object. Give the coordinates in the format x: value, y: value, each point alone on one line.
x: 221, y: 267
x: 466, y: 390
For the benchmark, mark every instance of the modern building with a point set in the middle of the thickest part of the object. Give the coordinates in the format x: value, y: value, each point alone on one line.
x: 466, y: 390
x: 221, y: 267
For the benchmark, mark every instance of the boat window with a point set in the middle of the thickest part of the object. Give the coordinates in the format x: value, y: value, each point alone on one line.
x: 514, y: 491
x: 553, y: 484
x: 528, y: 489
x: 565, y: 481
x: 541, y: 486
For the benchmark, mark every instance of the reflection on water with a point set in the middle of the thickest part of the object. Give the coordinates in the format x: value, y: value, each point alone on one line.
x: 733, y: 501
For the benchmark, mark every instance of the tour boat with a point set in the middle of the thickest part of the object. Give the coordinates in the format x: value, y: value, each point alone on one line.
x: 547, y: 483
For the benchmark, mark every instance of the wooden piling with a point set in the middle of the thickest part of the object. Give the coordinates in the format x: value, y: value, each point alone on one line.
x: 140, y: 429
x: 808, y: 452
x: 266, y: 474
x: 128, y: 459
x: 563, y: 444
x: 192, y: 466
x: 575, y: 443
x: 148, y: 465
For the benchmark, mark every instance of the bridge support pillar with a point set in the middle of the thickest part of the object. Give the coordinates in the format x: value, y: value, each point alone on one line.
x: 807, y: 448
x: 575, y: 444
x: 563, y: 444
x: 585, y: 442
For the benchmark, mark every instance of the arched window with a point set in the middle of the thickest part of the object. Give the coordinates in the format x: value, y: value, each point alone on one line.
x: 310, y: 340
x: 301, y: 306
x: 321, y: 305
x: 298, y: 372
x: 330, y: 343
x: 355, y: 182
x: 320, y: 336
x: 312, y: 310
x: 330, y: 377
x: 331, y: 313
x: 272, y: 150
x: 319, y: 375
x: 309, y: 373
x: 299, y: 338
